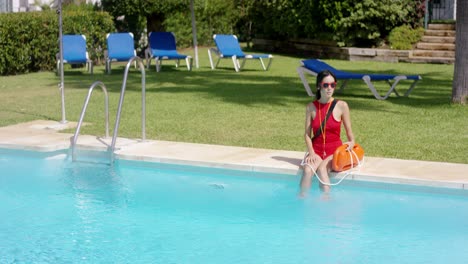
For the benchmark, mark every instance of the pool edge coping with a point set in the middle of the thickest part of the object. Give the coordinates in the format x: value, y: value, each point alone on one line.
x: 44, y: 136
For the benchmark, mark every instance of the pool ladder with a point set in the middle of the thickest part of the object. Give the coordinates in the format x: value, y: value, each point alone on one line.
x: 111, y: 147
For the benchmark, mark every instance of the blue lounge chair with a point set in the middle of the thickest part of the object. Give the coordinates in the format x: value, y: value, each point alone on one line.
x: 162, y: 46
x: 74, y: 52
x: 120, y: 47
x: 314, y: 66
x: 227, y: 46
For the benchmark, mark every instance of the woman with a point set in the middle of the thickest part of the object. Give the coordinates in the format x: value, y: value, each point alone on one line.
x: 322, y: 141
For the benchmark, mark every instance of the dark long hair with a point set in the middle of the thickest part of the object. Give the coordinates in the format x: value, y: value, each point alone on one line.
x: 320, y: 78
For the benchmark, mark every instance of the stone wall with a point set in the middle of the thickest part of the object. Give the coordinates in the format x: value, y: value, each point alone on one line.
x: 306, y: 48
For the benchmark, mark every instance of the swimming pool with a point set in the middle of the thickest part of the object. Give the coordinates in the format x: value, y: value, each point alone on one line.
x: 55, y: 211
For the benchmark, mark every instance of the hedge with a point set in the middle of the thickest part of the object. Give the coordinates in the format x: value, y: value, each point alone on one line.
x: 29, y: 40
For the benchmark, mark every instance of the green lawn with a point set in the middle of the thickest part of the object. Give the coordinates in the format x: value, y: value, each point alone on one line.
x: 252, y: 108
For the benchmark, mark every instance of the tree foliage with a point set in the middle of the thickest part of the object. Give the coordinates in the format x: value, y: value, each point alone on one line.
x: 348, y: 22
x: 213, y: 16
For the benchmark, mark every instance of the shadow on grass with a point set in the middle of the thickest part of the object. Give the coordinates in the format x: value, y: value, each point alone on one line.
x: 35, y: 115
x: 248, y: 87
x: 255, y: 86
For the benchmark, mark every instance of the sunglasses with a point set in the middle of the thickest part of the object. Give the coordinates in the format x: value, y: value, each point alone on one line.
x: 326, y: 85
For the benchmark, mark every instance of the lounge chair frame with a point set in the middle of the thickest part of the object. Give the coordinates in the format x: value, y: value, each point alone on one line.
x: 238, y: 66
x: 173, y: 55
x: 367, y: 78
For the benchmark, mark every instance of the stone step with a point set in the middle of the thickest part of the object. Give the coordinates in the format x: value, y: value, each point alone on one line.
x: 435, y: 46
x: 438, y: 60
x: 432, y: 39
x: 434, y: 53
x: 441, y: 26
x: 440, y: 33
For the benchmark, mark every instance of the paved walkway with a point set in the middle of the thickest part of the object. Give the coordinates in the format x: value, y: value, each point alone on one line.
x: 45, y: 136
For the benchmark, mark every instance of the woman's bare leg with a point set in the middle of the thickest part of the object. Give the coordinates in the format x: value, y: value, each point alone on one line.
x: 306, y: 180
x: 322, y: 171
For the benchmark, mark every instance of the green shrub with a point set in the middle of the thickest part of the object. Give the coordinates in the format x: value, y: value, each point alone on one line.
x: 362, y: 23
x: 18, y: 34
x: 404, y: 37
x: 365, y: 23
x: 29, y: 40
x: 283, y: 19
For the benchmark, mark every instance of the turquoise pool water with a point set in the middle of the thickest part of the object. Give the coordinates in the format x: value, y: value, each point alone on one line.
x: 55, y: 211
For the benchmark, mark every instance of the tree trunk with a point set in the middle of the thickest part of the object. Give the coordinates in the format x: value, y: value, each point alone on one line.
x: 460, y: 76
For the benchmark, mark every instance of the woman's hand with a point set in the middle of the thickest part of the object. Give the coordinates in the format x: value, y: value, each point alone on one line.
x: 350, y: 145
x: 313, y: 158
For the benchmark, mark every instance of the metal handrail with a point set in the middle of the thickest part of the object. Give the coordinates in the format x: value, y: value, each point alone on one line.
x: 122, y: 95
x: 83, y: 111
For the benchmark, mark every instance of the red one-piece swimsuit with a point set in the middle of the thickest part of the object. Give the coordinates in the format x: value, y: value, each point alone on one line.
x: 332, y: 132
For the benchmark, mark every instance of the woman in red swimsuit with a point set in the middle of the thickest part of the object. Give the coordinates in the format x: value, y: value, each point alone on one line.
x: 322, y: 142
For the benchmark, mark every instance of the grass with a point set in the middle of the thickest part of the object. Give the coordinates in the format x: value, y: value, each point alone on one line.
x: 252, y: 108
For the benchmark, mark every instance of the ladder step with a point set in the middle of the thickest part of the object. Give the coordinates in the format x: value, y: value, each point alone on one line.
x: 92, y: 156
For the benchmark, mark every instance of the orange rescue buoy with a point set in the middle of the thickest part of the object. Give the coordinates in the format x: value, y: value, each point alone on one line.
x: 342, y: 157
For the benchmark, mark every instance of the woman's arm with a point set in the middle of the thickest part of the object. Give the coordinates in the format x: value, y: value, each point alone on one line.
x: 347, y: 123
x: 310, y: 114
x: 308, y: 128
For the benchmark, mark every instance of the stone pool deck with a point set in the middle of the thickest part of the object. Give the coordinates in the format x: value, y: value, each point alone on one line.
x: 45, y: 136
